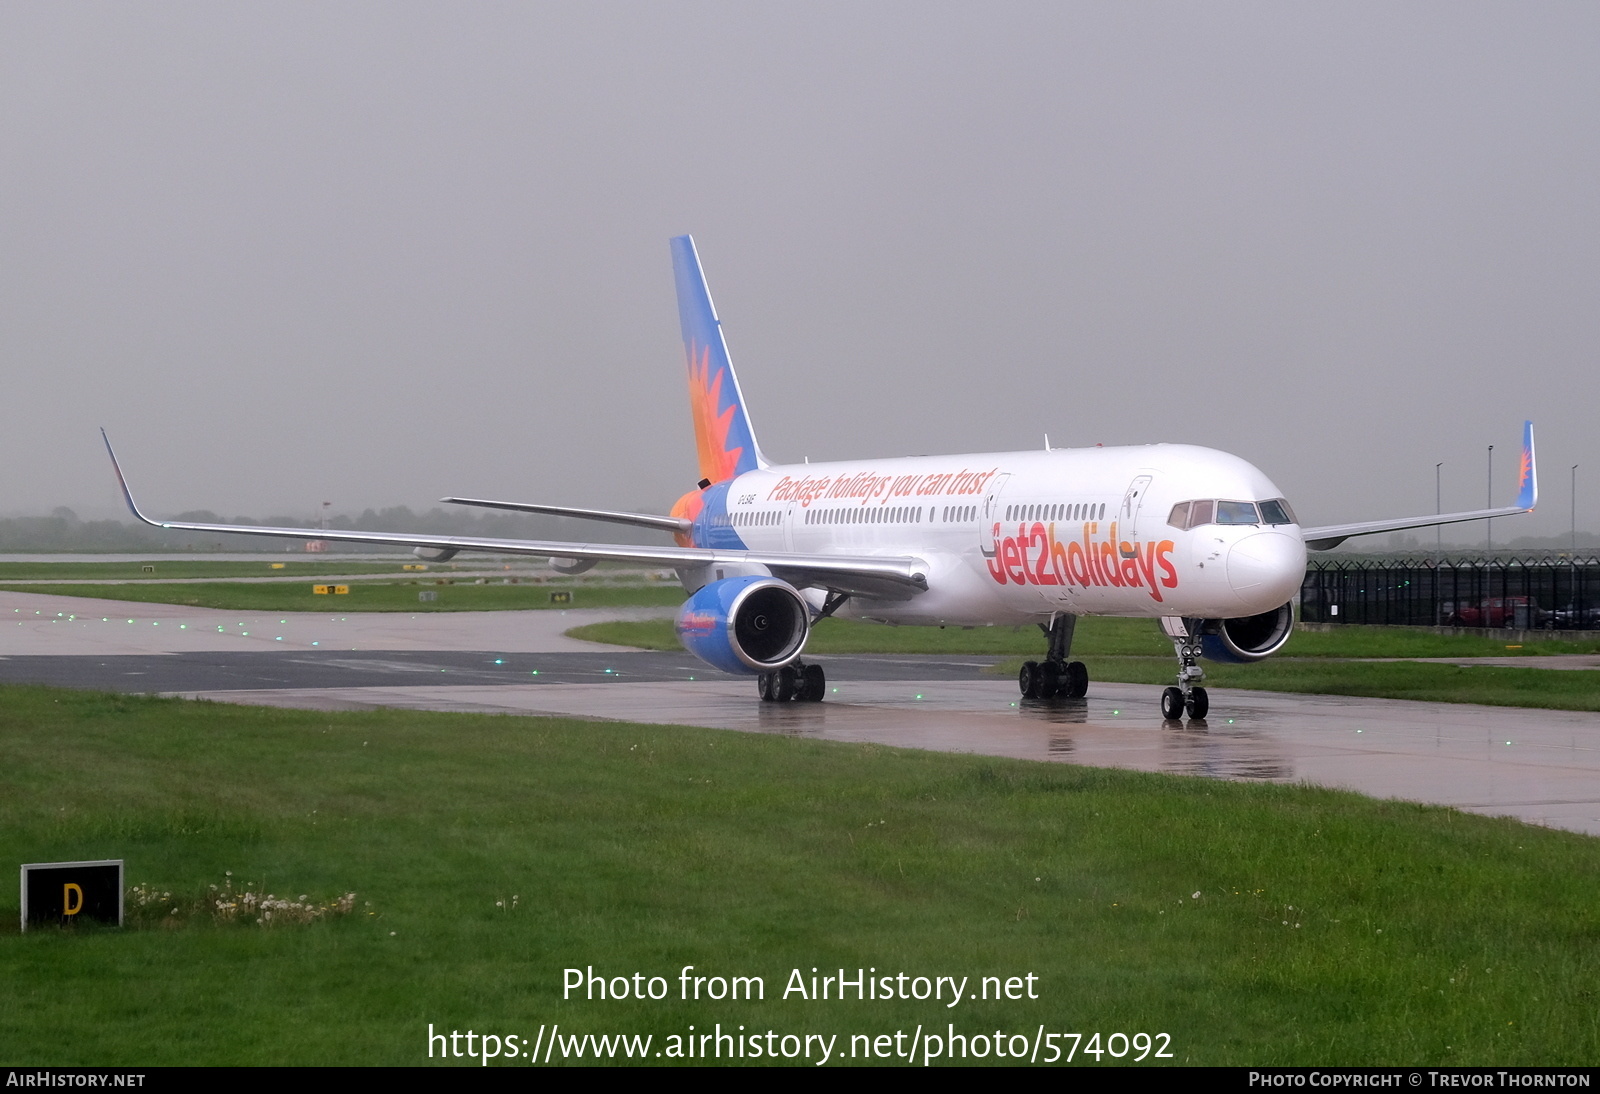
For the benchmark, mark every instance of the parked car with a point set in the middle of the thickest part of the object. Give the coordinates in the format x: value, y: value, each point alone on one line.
x: 1517, y: 612
x: 1573, y: 618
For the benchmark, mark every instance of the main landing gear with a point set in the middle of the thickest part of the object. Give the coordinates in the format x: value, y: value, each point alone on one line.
x: 1055, y: 675
x: 797, y: 682
x: 1188, y: 695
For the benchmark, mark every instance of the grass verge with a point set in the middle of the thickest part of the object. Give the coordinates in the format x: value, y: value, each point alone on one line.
x: 198, y: 569
x: 1097, y: 636
x: 372, y: 596
x: 1328, y: 928
x: 1130, y: 651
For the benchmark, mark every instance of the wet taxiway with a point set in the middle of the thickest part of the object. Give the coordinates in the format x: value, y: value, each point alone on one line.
x: 1540, y: 766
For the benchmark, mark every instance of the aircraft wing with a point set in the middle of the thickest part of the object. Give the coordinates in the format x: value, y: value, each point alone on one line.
x: 1330, y: 536
x: 898, y: 577
x: 639, y: 520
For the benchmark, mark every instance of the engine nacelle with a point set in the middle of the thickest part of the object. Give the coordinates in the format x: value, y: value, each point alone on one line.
x: 435, y: 554
x: 1248, y: 638
x: 746, y: 625
x: 571, y: 565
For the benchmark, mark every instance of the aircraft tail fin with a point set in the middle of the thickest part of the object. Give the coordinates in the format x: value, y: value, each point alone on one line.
x: 1527, y: 474
x: 723, y: 435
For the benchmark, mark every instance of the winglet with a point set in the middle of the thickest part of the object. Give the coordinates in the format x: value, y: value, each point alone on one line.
x: 127, y: 495
x: 1527, y: 473
x: 723, y: 436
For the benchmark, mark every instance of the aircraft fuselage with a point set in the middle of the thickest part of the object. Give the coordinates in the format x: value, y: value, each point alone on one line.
x: 1013, y: 537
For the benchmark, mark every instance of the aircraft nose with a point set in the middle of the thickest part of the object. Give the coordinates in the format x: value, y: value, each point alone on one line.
x: 1267, y: 567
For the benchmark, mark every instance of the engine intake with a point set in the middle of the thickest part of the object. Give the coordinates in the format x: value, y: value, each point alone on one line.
x: 1248, y: 638
x: 746, y: 625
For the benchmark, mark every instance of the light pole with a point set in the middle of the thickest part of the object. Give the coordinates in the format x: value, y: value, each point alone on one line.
x: 1438, y: 510
x: 1574, y: 514
x: 1488, y: 525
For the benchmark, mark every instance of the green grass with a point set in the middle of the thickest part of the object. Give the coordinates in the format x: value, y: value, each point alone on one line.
x: 1330, y: 928
x: 1099, y: 637
x: 1130, y: 651
x: 1489, y: 685
x: 374, y: 596
x: 191, y: 568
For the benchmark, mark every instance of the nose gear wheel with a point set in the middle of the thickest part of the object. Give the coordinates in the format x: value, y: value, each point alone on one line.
x: 1188, y: 697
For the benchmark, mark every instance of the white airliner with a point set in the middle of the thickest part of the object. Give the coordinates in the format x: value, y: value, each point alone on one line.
x: 1192, y: 537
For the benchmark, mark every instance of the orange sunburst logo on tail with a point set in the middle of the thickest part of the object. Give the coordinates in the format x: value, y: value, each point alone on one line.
x: 711, y: 423
x: 1525, y: 469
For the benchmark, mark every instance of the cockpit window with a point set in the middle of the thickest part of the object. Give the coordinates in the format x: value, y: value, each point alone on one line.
x: 1237, y: 512
x: 1277, y: 511
x: 1192, y: 514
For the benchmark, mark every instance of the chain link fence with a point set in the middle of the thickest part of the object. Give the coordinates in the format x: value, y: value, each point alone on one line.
x: 1531, y: 593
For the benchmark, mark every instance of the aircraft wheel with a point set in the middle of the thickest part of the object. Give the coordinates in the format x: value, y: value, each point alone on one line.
x: 764, y: 686
x: 1028, y: 679
x: 1049, y: 677
x: 786, y: 684
x: 813, y: 684
x: 1199, y: 703
x: 1172, y: 704
x: 1076, y: 683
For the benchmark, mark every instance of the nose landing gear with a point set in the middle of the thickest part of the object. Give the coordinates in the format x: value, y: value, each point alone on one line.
x: 1188, y: 695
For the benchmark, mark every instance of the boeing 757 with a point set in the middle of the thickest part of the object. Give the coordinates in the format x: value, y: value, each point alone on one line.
x: 1194, y: 538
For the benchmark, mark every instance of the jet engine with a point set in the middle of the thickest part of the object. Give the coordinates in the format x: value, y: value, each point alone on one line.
x: 746, y: 625
x: 1249, y: 638
x: 435, y: 554
x: 571, y: 565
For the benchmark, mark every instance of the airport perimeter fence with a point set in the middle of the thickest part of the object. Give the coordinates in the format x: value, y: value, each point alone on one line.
x: 1534, y: 593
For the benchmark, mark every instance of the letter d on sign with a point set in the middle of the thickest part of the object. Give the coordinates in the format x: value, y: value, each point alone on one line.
x: 55, y: 894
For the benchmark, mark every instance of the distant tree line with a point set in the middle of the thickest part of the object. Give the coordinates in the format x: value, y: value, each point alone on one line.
x: 63, y: 531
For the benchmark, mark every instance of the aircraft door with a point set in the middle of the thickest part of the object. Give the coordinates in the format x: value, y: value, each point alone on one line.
x: 989, y: 511
x: 1132, y: 501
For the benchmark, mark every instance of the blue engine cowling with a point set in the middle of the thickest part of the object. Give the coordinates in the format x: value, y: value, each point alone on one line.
x: 1248, y: 638
x: 745, y: 625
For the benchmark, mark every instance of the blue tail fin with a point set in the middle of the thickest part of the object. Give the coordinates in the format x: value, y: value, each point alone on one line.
x: 1527, y: 473
x: 723, y: 436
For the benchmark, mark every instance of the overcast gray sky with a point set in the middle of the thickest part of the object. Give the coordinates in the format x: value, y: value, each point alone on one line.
x: 376, y: 253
